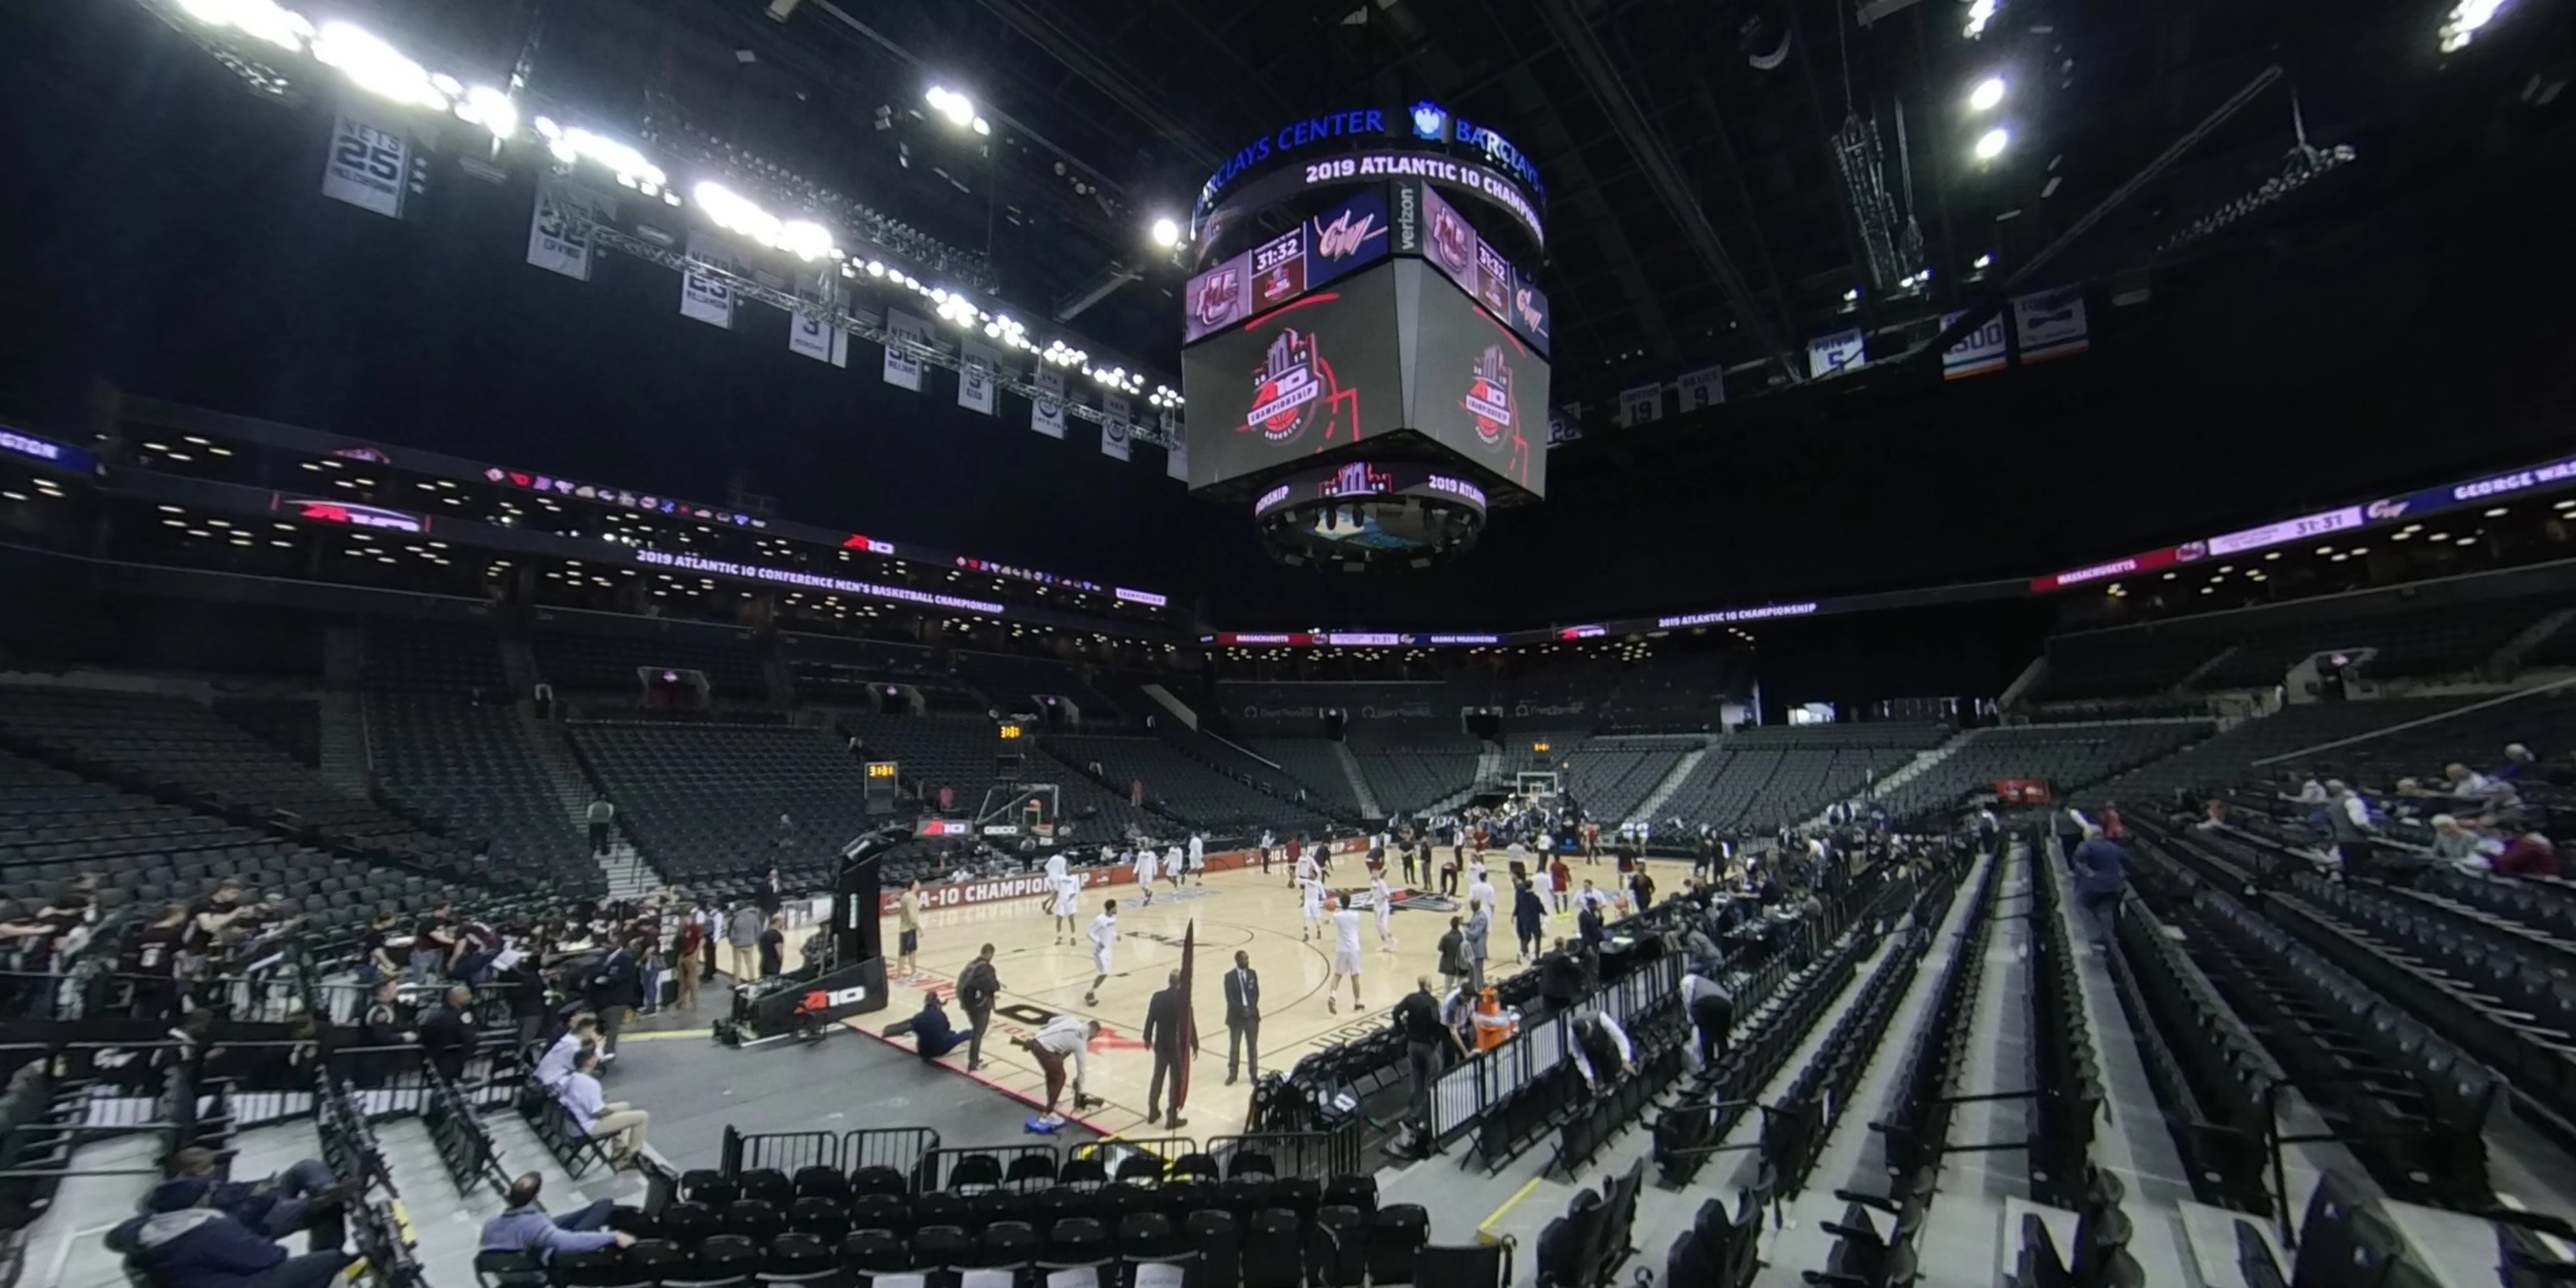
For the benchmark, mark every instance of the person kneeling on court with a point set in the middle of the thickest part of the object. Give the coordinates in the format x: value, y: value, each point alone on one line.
x: 526, y: 1227
x: 931, y: 1031
x: 595, y: 1117
x: 1601, y: 1050
x: 1065, y: 1035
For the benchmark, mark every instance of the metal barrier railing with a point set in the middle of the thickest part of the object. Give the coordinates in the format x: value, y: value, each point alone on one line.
x: 901, y: 1148
x: 1318, y: 1155
x: 786, y: 1151
x: 1462, y: 1094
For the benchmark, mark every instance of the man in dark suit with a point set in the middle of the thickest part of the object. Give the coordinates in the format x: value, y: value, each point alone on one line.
x: 616, y: 985
x: 773, y: 892
x: 1242, y: 1018
x: 1169, y: 1041
x: 447, y: 1034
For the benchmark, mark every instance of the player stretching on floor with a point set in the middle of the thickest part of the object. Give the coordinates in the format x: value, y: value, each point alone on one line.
x: 1104, y: 937
x: 1346, y: 953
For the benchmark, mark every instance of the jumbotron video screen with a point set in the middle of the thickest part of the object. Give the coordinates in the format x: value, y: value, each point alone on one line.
x: 1395, y: 348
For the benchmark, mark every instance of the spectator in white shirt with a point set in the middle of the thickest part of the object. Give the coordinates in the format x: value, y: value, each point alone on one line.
x: 557, y: 1063
x: 595, y: 1117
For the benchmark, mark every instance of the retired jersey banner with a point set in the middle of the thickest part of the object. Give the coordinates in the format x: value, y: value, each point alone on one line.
x: 703, y: 295
x: 559, y: 239
x: 1705, y: 387
x: 368, y: 167
x: 1177, y: 462
x: 1640, y: 405
x: 1564, y: 425
x: 1832, y: 355
x: 977, y: 363
x: 1046, y: 411
x: 2050, y: 324
x: 816, y: 334
x: 1977, y: 352
x: 1115, y: 427
x: 902, y: 361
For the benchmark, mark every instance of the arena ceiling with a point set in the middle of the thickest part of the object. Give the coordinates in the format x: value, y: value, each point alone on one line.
x: 2378, y: 326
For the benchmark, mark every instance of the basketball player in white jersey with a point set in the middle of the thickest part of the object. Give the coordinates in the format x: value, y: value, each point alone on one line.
x: 1346, y: 954
x: 1385, y: 910
x: 1145, y: 864
x: 1104, y: 938
x: 1544, y: 886
x: 1172, y: 869
x: 1310, y: 886
x: 1068, y: 903
x: 1198, y: 857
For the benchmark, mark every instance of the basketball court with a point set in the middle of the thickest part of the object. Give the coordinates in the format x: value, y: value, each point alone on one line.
x: 1239, y: 910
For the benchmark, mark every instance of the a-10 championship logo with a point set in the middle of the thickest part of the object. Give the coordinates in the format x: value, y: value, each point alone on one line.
x: 1220, y: 297
x: 1294, y: 389
x: 1489, y: 396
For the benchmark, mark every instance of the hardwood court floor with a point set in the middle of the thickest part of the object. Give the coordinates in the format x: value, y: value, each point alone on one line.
x: 1242, y: 910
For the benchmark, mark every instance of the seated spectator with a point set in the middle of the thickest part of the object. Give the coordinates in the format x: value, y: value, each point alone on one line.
x: 525, y: 1227
x: 556, y: 1065
x: 931, y: 1030
x: 2528, y: 855
x: 306, y: 1196
x: 2451, y: 841
x: 2518, y: 761
x: 2469, y: 785
x: 595, y: 1117
x: 447, y: 1033
x: 190, y: 1245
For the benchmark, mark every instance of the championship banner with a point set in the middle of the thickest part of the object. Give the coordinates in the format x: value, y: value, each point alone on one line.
x: 1113, y: 430
x: 1705, y: 387
x: 1046, y: 411
x: 367, y: 167
x: 902, y: 367
x: 559, y: 229
x: 1640, y: 405
x: 1832, y: 355
x: 703, y: 295
x: 1177, y: 461
x: 2050, y: 324
x: 975, y: 388
x: 818, y: 335
x: 1977, y: 352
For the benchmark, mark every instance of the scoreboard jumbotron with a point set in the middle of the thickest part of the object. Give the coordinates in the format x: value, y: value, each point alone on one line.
x: 1372, y: 380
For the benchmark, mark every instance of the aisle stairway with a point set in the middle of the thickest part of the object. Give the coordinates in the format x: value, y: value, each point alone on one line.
x: 629, y: 877
x: 1672, y: 782
x: 1369, y: 808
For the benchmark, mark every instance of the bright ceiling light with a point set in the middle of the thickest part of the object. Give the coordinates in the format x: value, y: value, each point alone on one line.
x: 1991, y: 144
x: 491, y: 109
x: 1166, y: 232
x: 1988, y: 92
x: 956, y: 108
x: 2467, y: 18
x: 1985, y: 261
x: 1980, y: 13
x: 261, y: 19
x: 375, y: 66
